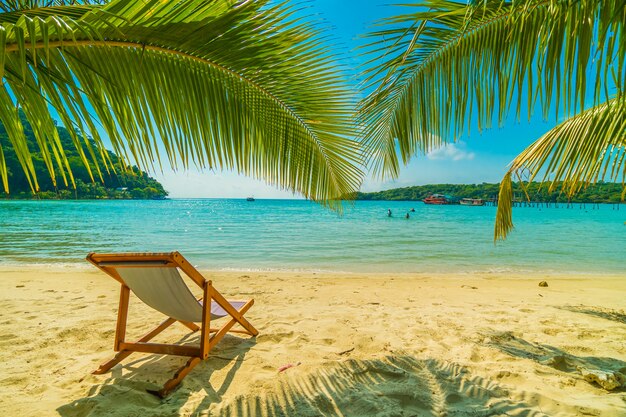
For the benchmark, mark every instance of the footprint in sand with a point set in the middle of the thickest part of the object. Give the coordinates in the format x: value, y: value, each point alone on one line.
x: 586, y: 411
x: 476, y: 356
x: 553, y: 331
x: 9, y: 336
x: 577, y: 349
x: 13, y: 380
x: 107, y: 334
x: 274, y: 337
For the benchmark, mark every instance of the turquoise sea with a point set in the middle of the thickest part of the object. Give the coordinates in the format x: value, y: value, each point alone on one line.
x: 294, y: 235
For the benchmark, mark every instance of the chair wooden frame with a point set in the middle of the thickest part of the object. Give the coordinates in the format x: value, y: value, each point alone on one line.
x: 109, y: 262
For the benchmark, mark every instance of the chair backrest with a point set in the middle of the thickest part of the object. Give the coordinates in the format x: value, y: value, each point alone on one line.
x: 163, y: 289
x: 155, y: 278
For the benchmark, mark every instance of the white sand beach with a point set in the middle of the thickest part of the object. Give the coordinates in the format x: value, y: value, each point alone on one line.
x: 379, y: 345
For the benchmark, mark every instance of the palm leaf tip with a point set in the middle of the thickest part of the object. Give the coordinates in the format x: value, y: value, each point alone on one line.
x: 504, y: 212
x: 582, y: 150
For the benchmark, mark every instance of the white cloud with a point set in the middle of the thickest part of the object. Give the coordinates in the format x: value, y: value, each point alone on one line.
x: 452, y: 152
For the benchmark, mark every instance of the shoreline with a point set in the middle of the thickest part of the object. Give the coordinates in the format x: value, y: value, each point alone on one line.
x: 60, y: 267
x: 56, y: 267
x: 367, y: 344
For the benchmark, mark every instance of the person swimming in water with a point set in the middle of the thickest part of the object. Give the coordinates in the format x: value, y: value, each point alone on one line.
x: 407, y: 215
x: 412, y: 210
x: 388, y: 212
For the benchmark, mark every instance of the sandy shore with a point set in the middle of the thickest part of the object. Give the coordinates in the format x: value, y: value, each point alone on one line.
x: 380, y: 345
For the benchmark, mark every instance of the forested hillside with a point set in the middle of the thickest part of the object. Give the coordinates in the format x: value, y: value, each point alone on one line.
x: 599, y: 193
x: 132, y: 183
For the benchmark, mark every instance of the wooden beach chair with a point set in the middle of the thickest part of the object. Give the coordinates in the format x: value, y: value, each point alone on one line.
x: 155, y: 279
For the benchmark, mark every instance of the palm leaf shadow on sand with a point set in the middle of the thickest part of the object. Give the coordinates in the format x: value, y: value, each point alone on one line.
x: 600, y: 312
x: 130, y: 390
x: 585, y: 367
x: 398, y: 385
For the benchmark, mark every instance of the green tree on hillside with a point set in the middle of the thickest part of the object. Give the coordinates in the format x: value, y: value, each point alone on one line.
x: 535, y: 191
x: 131, y: 177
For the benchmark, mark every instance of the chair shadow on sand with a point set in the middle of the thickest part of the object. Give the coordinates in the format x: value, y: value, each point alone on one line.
x: 556, y: 358
x: 398, y: 385
x: 130, y: 390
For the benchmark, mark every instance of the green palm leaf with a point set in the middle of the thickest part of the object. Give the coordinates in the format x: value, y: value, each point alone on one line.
x: 223, y: 84
x: 434, y: 70
x: 582, y: 150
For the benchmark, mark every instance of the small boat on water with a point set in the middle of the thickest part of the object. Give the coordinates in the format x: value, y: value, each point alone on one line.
x: 440, y: 199
x: 472, y: 202
x: 250, y: 199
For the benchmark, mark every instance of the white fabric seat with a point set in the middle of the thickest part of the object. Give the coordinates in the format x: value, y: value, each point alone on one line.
x: 165, y: 290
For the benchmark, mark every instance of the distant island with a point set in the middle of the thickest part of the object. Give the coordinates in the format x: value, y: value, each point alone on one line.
x: 129, y: 184
x: 598, y: 193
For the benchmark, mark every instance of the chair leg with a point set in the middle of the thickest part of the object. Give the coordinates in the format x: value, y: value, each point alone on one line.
x: 104, y: 367
x: 242, y: 331
x: 191, y: 326
x: 237, y: 315
x: 126, y: 353
x: 183, y: 371
x: 180, y: 374
x: 226, y: 328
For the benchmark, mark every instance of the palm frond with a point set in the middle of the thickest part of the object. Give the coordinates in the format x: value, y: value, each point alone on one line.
x: 583, y: 150
x: 223, y: 84
x: 30, y: 6
x: 434, y: 70
x: 11, y: 11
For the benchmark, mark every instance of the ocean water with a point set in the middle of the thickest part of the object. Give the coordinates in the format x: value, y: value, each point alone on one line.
x: 298, y: 235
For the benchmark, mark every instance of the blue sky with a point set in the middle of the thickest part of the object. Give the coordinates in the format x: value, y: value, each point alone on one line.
x: 475, y: 159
